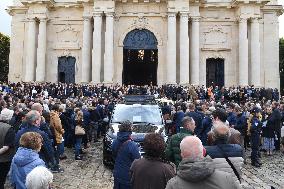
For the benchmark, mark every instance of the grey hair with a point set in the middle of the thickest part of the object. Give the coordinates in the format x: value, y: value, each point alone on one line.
x: 32, y: 116
x: 39, y: 178
x: 191, y: 147
x: 221, y: 131
x: 125, y: 126
x: 37, y: 107
x: 187, y: 120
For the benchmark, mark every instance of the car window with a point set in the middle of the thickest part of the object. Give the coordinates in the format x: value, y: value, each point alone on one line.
x: 137, y: 113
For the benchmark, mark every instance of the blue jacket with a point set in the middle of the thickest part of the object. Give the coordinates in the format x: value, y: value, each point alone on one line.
x: 124, y: 154
x: 206, y: 125
x: 198, y: 122
x: 230, y: 150
x: 241, y: 123
x: 46, y: 152
x: 24, y: 161
x: 232, y: 118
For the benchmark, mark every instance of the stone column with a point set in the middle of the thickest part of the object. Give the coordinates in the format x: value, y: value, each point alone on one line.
x: 97, y: 48
x: 108, y: 58
x: 171, y: 49
x: 86, y: 50
x: 255, y: 53
x: 243, y: 52
x: 194, y: 65
x: 30, y: 56
x: 184, y: 49
x: 41, y: 51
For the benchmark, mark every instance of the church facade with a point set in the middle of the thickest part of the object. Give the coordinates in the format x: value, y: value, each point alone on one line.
x: 199, y: 42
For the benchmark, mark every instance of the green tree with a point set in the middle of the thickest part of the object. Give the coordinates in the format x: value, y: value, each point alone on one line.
x: 281, y: 62
x: 4, y: 57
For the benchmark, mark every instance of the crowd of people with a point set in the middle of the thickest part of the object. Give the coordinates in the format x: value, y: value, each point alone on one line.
x: 209, y: 130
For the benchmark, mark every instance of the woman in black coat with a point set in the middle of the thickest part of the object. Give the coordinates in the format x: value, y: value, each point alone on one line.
x: 268, y: 131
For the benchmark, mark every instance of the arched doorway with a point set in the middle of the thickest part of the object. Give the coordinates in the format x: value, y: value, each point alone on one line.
x: 140, y: 58
x: 66, y: 69
x: 215, y: 72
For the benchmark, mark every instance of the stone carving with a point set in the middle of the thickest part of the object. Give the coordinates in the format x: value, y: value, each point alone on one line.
x: 215, y: 38
x: 67, y: 37
x: 140, y: 22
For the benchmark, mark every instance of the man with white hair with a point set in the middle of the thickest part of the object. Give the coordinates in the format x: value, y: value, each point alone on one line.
x: 39, y: 178
x: 198, y: 172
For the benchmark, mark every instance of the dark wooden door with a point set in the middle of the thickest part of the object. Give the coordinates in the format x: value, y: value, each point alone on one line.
x: 66, y: 69
x: 215, y: 72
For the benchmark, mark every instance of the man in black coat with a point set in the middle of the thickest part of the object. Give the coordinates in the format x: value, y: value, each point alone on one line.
x: 197, y: 118
x: 276, y: 121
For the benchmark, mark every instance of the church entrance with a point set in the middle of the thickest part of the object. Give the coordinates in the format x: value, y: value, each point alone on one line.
x: 215, y: 72
x: 66, y: 69
x: 140, y: 58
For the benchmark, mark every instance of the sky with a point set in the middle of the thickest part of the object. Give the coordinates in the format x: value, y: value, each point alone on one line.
x: 5, y: 18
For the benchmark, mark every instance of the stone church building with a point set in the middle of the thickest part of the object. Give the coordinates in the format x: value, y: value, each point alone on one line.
x: 200, y: 42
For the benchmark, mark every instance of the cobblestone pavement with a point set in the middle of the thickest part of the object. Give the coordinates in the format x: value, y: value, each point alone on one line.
x: 92, y: 174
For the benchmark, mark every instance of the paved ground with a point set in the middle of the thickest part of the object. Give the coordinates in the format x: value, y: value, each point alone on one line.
x: 92, y: 174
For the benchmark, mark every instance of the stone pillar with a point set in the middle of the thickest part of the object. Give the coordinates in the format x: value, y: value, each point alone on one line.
x: 108, y: 58
x: 255, y: 53
x: 184, y: 49
x: 41, y: 51
x: 171, y: 49
x: 194, y: 65
x: 30, y: 56
x: 86, y: 50
x: 97, y: 48
x: 243, y: 52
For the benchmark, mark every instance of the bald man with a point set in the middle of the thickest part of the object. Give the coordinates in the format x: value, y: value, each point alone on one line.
x: 198, y: 172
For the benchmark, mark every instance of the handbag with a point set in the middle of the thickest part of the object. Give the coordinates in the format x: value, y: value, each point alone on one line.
x: 79, y: 130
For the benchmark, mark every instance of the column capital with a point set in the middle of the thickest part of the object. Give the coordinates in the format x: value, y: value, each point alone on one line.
x: 97, y: 14
x: 195, y: 18
x: 30, y: 19
x: 172, y: 14
x: 87, y: 18
x: 184, y: 14
x: 254, y: 19
x: 43, y: 19
x: 242, y: 19
x: 109, y: 14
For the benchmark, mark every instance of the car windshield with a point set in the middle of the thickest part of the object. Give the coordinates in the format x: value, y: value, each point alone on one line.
x: 137, y: 114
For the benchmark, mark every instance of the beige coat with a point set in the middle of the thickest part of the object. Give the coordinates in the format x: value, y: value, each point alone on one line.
x: 55, y: 123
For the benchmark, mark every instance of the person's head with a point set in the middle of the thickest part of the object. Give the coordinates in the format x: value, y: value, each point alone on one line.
x: 221, y: 132
x: 39, y: 178
x: 6, y: 115
x: 31, y: 140
x: 33, y: 117
x: 230, y: 107
x: 191, y: 107
x: 55, y: 107
x: 125, y: 126
x: 268, y: 109
x: 191, y: 147
x: 188, y: 123
x: 154, y: 145
x: 238, y: 110
x: 219, y: 115
x: 275, y: 104
x: 38, y: 107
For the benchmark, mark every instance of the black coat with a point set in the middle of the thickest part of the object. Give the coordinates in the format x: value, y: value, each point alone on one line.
x: 268, y: 129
